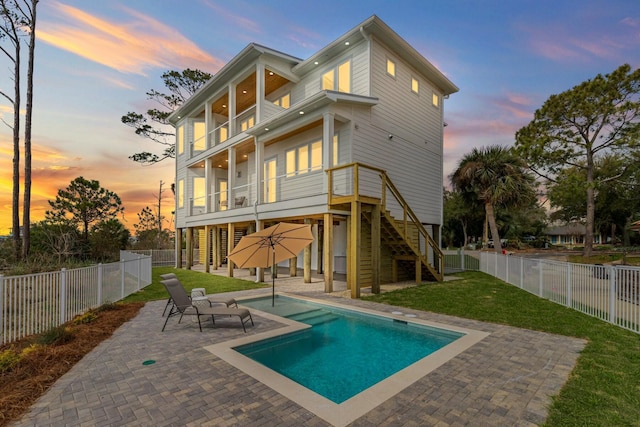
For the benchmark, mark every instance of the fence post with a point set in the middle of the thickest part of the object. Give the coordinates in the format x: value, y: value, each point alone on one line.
x: 569, y: 285
x: 540, y: 279
x: 99, y: 284
x: 462, y: 259
x: 63, y: 295
x: 613, y: 296
x: 122, y: 277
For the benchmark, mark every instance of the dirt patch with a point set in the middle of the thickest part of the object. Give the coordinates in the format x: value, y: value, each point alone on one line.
x: 34, y: 367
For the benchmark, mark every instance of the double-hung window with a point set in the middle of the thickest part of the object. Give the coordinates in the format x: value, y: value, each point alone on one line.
x: 303, y: 159
x: 199, y: 191
x: 338, y: 78
x: 284, y: 101
x: 199, y: 138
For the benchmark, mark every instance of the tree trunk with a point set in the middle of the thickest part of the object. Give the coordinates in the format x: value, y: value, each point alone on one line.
x: 464, y: 233
x: 15, y: 203
x: 588, y: 238
x: 488, y: 207
x: 26, y: 206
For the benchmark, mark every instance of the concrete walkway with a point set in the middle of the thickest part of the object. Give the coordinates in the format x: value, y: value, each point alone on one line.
x: 144, y: 377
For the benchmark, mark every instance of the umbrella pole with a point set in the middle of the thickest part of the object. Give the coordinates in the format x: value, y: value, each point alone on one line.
x: 273, y: 277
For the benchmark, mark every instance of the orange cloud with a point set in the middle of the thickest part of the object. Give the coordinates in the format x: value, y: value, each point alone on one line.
x: 130, y: 47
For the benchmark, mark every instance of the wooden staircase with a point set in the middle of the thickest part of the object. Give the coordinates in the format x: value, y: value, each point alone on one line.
x: 411, y: 246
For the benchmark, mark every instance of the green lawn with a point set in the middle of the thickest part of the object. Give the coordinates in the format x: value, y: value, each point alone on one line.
x: 604, y: 387
x: 191, y: 279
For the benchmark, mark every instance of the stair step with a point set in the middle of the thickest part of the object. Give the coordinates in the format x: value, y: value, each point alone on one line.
x: 315, y: 317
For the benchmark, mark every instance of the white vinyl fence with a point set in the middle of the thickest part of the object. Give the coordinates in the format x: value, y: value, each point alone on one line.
x: 461, y: 260
x: 167, y: 257
x: 35, y: 303
x: 610, y: 293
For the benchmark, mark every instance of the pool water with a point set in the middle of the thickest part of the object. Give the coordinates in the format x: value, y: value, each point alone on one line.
x: 344, y: 352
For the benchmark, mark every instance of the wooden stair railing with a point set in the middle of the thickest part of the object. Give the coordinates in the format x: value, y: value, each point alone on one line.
x: 404, y: 227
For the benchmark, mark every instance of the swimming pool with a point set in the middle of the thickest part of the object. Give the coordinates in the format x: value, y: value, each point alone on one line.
x: 337, y: 414
x: 359, y: 349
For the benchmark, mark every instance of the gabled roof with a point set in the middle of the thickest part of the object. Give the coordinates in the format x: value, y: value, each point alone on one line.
x: 572, y: 229
x: 374, y: 26
x: 249, y: 54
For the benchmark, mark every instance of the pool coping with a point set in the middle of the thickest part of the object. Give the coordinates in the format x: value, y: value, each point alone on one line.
x: 348, y: 411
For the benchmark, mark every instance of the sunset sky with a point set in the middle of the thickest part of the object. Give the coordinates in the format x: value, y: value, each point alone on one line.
x: 96, y: 59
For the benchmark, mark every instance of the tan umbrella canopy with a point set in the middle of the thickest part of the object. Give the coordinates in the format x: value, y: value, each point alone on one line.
x: 268, y: 247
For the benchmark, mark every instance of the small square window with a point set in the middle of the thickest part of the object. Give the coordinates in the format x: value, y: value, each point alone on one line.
x: 436, y: 100
x: 391, y: 68
x: 414, y: 85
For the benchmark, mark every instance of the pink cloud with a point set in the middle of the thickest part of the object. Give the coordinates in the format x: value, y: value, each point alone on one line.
x: 127, y: 46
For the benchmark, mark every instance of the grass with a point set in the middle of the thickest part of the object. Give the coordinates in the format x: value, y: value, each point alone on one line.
x: 604, y: 387
x: 191, y: 279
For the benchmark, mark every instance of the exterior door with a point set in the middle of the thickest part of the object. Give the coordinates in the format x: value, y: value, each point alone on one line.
x: 270, y: 181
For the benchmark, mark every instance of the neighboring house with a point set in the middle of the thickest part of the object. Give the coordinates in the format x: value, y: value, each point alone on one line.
x: 569, y: 235
x: 349, y: 140
x: 635, y: 226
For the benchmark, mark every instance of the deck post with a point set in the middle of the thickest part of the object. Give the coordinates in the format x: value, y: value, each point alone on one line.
x: 251, y: 228
x: 354, y: 249
x: 230, y: 245
x: 418, y: 270
x: 216, y: 247
x: 307, y: 258
x: 375, y: 249
x: 178, y: 248
x: 189, y: 248
x: 328, y: 252
x: 293, y: 266
x: 207, y: 248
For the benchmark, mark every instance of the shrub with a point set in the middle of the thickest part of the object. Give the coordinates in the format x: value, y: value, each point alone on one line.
x: 8, y: 359
x: 87, y: 317
x: 55, y: 336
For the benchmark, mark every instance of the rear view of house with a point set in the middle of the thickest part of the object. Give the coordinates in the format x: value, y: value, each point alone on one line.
x: 349, y: 140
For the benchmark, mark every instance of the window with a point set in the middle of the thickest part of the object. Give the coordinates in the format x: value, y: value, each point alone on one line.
x: 435, y: 100
x: 199, y: 140
x: 284, y: 101
x: 223, y: 134
x: 199, y: 193
x: 338, y: 78
x: 391, y: 68
x: 335, y: 160
x: 415, y: 85
x: 247, y: 123
x: 303, y: 159
x: 181, y: 193
x: 180, y: 137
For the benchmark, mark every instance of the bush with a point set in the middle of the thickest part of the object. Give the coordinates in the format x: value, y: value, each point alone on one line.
x: 87, y: 317
x: 55, y: 336
x: 8, y: 359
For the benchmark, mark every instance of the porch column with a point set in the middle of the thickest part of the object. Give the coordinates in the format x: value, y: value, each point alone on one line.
x: 375, y: 249
x: 259, y: 91
x: 231, y: 178
x: 320, y: 253
x: 208, y: 124
x: 232, y: 109
x: 207, y: 248
x: 230, y: 233
x: 208, y: 180
x: 178, y: 246
x: 259, y: 186
x: 355, y: 233
x: 327, y: 249
x: 327, y: 144
x: 307, y: 258
x: 189, y: 248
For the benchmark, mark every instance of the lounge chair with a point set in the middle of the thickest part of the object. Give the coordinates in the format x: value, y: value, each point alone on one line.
x: 183, y: 305
x: 213, y: 299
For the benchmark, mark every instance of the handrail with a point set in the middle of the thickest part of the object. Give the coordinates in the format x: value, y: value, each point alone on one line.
x: 409, y: 217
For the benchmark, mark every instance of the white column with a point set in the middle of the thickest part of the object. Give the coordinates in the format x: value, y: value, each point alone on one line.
x: 327, y: 144
x: 208, y: 124
x: 232, y: 110
x: 259, y: 186
x: 259, y: 91
x: 231, y: 177
x: 208, y: 185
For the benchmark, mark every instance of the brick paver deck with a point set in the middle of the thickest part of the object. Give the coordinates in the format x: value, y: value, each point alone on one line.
x: 505, y: 380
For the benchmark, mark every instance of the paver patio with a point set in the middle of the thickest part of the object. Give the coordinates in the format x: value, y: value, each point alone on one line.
x: 506, y: 379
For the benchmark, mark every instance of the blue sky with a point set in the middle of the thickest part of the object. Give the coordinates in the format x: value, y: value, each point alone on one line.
x: 96, y: 59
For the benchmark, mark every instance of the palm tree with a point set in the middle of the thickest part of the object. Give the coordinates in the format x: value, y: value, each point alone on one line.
x: 495, y: 176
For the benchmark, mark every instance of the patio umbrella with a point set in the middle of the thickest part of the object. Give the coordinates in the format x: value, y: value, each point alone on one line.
x: 268, y: 247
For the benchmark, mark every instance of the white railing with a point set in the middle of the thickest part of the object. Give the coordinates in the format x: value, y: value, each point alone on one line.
x: 34, y: 303
x: 166, y: 257
x: 610, y: 293
x: 461, y: 260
